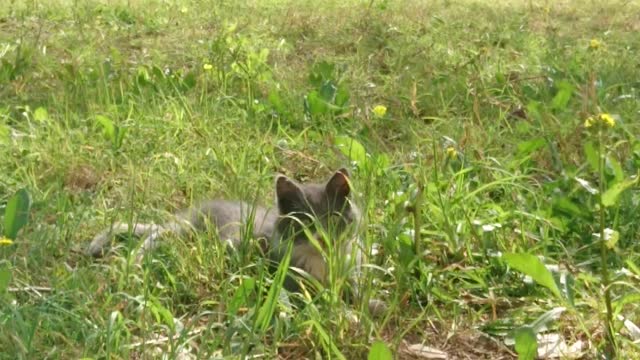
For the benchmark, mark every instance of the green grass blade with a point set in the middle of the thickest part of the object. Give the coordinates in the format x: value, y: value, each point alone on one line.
x: 16, y: 213
x: 268, y: 308
x: 531, y: 265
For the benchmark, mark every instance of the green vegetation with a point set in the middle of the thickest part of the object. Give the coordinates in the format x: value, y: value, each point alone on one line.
x: 494, y: 148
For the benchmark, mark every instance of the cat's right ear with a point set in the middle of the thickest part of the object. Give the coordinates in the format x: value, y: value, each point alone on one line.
x: 289, y: 196
x: 339, y: 186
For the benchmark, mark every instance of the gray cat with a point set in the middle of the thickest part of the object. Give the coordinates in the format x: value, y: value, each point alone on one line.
x: 323, y: 211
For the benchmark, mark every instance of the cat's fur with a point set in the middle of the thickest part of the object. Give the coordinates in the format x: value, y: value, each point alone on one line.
x: 302, y: 210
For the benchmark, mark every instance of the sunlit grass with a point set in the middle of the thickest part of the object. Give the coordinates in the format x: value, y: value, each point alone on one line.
x: 469, y: 128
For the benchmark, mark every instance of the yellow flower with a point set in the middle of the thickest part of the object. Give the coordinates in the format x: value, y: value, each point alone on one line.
x: 207, y: 67
x: 379, y: 110
x: 607, y: 120
x: 5, y: 241
x: 595, y: 44
x: 451, y: 152
x: 589, y: 122
x: 602, y: 119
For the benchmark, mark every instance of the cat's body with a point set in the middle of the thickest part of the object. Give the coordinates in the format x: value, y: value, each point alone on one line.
x: 228, y: 217
x: 324, y: 211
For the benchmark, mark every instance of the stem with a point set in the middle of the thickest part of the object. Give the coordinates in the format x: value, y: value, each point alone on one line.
x: 449, y: 231
x: 610, y: 347
x: 417, y: 223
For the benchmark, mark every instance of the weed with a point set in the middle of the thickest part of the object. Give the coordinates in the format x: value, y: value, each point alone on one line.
x: 499, y: 204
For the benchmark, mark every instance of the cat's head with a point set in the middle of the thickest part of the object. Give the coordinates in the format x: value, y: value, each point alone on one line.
x: 327, y: 205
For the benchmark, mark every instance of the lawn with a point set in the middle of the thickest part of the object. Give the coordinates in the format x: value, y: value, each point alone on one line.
x: 494, y: 149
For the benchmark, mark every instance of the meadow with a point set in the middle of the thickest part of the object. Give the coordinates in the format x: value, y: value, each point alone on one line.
x: 494, y: 149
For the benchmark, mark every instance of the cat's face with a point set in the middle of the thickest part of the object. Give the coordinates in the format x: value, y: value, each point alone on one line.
x: 320, y: 208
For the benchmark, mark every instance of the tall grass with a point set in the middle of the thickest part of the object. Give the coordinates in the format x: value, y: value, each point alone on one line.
x: 480, y: 186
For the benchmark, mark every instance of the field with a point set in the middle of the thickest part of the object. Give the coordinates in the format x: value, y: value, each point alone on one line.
x: 494, y: 150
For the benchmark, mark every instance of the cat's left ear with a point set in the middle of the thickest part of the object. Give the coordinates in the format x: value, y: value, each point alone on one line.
x: 339, y: 184
x: 289, y: 195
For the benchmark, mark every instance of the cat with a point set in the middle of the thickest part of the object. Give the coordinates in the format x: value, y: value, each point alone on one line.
x: 324, y: 211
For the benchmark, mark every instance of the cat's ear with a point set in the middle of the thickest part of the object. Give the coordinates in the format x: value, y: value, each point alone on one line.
x: 344, y: 171
x: 339, y: 185
x: 289, y: 196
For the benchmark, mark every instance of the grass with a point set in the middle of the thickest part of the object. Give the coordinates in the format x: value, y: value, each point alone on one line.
x: 128, y: 110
